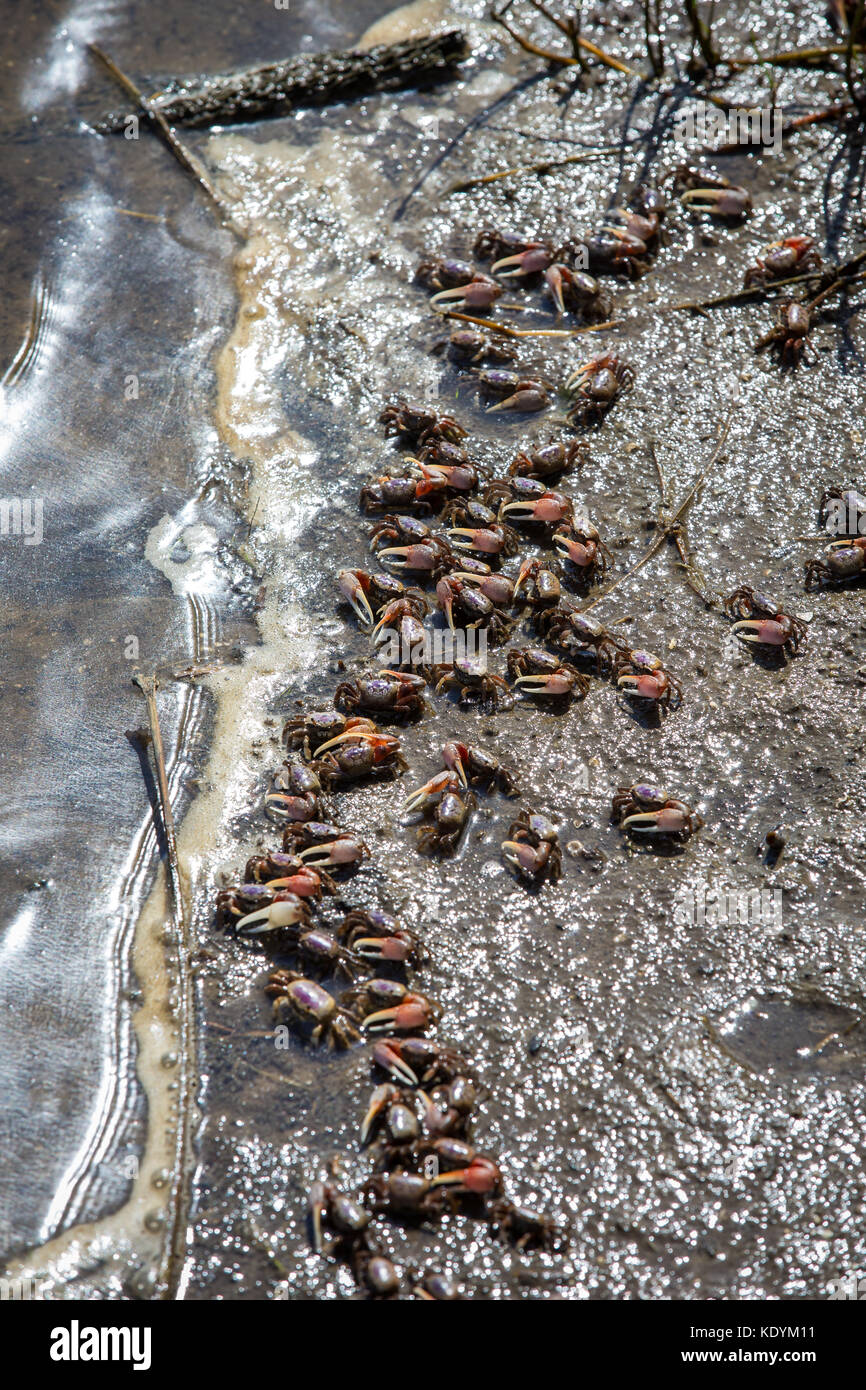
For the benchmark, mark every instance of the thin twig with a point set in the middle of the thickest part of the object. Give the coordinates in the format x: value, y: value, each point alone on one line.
x: 793, y: 56
x: 184, y: 157
x: 564, y: 59
x: 542, y: 166
x: 171, y: 1264
x: 507, y: 332
x: 672, y: 523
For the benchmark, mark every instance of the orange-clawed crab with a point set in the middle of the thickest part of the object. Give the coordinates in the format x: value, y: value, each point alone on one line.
x: 643, y: 676
x: 596, y: 385
x: 792, y: 255
x: 532, y: 848
x: 844, y: 563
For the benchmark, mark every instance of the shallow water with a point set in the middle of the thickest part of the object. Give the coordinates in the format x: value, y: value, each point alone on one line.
x: 685, y: 1092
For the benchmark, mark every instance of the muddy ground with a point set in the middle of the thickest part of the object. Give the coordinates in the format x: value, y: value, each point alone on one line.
x: 685, y: 1094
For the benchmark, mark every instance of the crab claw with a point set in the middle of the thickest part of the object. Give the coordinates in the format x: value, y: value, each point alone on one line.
x: 362, y: 731
x: 351, y: 587
x: 430, y: 792
x: 395, y: 948
x: 409, y: 557
x: 670, y: 820
x: 485, y: 541
x: 379, y: 1101
x: 527, y: 398
x: 765, y: 631
x: 643, y: 687
x: 551, y: 507
x: 721, y: 202
x: 480, y: 1177
x: 306, y: 883
x: 520, y: 854
x: 284, y: 913
x: 454, y: 755
x: 479, y: 293
x: 580, y: 553
x: 414, y: 1013
x: 390, y: 1061
x: 554, y: 278
x: 559, y: 682
x: 348, y: 849
x: 536, y: 257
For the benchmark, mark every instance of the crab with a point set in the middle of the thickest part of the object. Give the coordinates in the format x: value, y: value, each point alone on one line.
x: 306, y: 1005
x: 385, y: 1006
x: 480, y: 1177
x: 362, y: 589
x: 580, y: 636
x: 446, y: 478
x: 761, y: 621
x: 520, y: 392
x: 248, y: 903
x: 615, y: 250
x: 420, y: 424
x: 319, y: 950
x: 432, y: 557
x: 480, y: 291
x: 574, y: 291
x: 436, y: 1288
x: 377, y: 1274
x: 791, y: 332
x: 327, y: 847
x: 448, y: 1114
x: 387, y: 692
x: 845, y: 562
x: 387, y: 491
x: 476, y: 685
x: 376, y: 755
x: 645, y: 810
x: 468, y: 607
x: 392, y: 1113
x: 532, y: 848
x: 596, y: 385
x: 402, y: 621
x: 539, y: 673
x: 707, y: 191
x: 549, y: 460
x: 497, y: 588
x: 418, y: 1061
x: 478, y: 529
x: 642, y: 676
x: 309, y: 732
x: 582, y: 546
x: 445, y: 799
x: 404, y: 1194
x: 476, y: 768
x: 793, y: 254
x: 345, y: 1217
x: 286, y: 869
x: 377, y: 936
x: 295, y: 795
x: 540, y: 580
x: 469, y: 345
x: 443, y: 273
x: 525, y: 1229
x: 395, y: 527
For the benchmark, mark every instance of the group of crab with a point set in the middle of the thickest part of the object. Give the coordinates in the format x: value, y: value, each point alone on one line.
x: 420, y: 1119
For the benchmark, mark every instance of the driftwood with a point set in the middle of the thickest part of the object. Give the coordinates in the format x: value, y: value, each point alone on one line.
x: 316, y: 79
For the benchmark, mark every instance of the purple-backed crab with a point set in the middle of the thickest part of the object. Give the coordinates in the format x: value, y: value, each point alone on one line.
x: 548, y: 508
x: 790, y: 333
x: 523, y: 1228
x: 539, y: 579
x: 532, y: 848
x: 549, y: 460
x: 394, y: 693
x: 306, y: 1005
x: 466, y: 606
x: 708, y: 191
x: 377, y: 936
x: 309, y: 731
x: 419, y: 1061
x: 376, y: 755
x: 419, y: 424
x: 844, y: 562
x: 445, y: 800
x: 469, y: 346
x: 646, y: 810
x: 476, y: 768
x: 793, y: 255
x: 362, y: 589
x: 295, y: 795
x: 580, y: 636
x: 385, y: 1006
x: 519, y: 392
x: 476, y: 685
x: 582, y: 546
x: 759, y: 620
x: 347, y: 1219
x: 642, y: 676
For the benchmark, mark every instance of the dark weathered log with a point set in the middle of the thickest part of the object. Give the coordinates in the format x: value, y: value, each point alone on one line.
x: 311, y: 80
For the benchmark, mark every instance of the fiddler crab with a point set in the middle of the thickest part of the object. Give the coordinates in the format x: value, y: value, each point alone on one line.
x: 476, y: 685
x: 478, y: 529
x: 319, y: 950
x: 759, y: 620
x: 469, y: 346
x: 476, y: 768
x: 539, y: 580
x: 523, y: 1228
x: 394, y: 693
x: 521, y: 258
x: 379, y: 1275
x: 346, y: 1218
x: 596, y: 385
x: 359, y: 752
x: 708, y: 191
x: 296, y: 793
x: 792, y: 255
x: 519, y: 392
x: 580, y: 636
x: 386, y: 1006
x: 317, y: 844
x: 377, y: 936
x: 458, y: 285
x: 642, y: 676
x: 436, y: 1288
x: 845, y: 562
x: 419, y: 424
x: 532, y: 848
x: 791, y: 332
x: 549, y: 460
x: 582, y: 546
x: 629, y: 235
x: 536, y: 504
x: 449, y: 804
x: 309, y: 1007
x: 425, y: 485
x: 364, y: 590
x: 539, y: 673
x: 255, y: 908
x: 646, y: 810
x: 464, y: 603
x: 418, y: 1061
